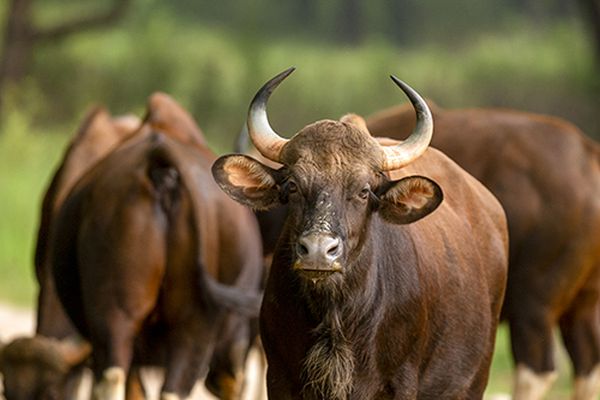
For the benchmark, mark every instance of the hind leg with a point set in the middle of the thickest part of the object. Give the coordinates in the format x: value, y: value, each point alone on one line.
x: 532, y: 347
x: 226, y: 377
x: 580, y: 329
x: 135, y: 388
x: 190, y: 347
x: 113, y: 350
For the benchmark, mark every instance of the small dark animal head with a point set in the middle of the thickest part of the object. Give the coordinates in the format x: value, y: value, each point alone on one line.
x: 37, y: 368
x: 333, y: 179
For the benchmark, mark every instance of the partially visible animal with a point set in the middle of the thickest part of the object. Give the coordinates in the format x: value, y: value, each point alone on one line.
x: 49, y: 365
x: 41, y: 367
x: 96, y: 137
x: 546, y: 174
x: 154, y: 265
x: 99, y: 134
x: 45, y: 366
x: 389, y: 274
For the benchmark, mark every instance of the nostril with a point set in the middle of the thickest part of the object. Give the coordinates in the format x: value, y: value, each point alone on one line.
x: 333, y: 250
x: 318, y: 248
x: 301, y: 249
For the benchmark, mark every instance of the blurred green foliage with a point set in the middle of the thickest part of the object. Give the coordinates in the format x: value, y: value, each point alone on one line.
x: 212, y: 58
x: 27, y: 159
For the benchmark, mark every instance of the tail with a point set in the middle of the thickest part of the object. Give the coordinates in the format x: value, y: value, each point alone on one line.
x: 243, y: 302
x: 170, y: 169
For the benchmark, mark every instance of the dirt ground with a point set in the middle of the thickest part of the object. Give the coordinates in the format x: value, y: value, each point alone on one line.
x: 16, y: 322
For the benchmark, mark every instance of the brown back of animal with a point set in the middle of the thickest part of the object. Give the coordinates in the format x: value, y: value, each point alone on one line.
x: 546, y: 174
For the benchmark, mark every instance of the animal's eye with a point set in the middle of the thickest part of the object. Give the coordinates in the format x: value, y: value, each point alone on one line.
x: 364, y: 194
x: 292, y: 187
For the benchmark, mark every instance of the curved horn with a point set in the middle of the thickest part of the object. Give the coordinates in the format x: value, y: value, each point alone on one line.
x: 415, y: 145
x: 265, y: 139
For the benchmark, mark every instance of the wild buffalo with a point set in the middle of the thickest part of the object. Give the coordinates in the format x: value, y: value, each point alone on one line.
x: 233, y: 260
x: 381, y: 287
x: 48, y: 365
x: 546, y: 174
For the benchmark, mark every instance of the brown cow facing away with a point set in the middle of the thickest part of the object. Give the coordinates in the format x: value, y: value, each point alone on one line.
x: 48, y: 365
x: 381, y: 287
x: 546, y: 174
x: 221, y: 245
x: 141, y: 246
x: 99, y: 134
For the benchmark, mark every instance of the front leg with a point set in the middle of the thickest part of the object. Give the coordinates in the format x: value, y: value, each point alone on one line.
x: 278, y: 386
x: 279, y: 367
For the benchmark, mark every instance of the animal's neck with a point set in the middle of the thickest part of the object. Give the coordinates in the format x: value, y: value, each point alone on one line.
x: 328, y: 367
x: 341, y: 311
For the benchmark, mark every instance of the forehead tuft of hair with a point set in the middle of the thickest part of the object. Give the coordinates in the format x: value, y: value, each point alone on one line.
x: 329, y: 143
x: 356, y: 120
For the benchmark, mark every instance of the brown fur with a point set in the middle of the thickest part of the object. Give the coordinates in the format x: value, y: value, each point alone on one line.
x: 41, y: 368
x: 397, y: 321
x: 145, y: 249
x: 99, y: 136
x: 546, y: 174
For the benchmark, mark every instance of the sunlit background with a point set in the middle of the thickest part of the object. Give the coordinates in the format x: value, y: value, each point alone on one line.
x: 533, y: 55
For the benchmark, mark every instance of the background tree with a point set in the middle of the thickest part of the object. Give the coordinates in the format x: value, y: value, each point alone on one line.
x: 22, y: 35
x: 591, y: 12
x: 350, y: 22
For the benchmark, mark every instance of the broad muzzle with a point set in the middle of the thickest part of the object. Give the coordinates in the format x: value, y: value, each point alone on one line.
x: 318, y: 254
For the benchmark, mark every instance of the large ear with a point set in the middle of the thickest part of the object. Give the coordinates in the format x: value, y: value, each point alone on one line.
x: 247, y: 181
x: 409, y: 199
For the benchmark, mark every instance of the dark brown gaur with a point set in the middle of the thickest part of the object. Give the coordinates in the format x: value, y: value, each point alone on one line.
x: 546, y: 174
x: 381, y: 287
x: 41, y: 367
x: 148, y: 259
x: 28, y: 374
x: 31, y: 372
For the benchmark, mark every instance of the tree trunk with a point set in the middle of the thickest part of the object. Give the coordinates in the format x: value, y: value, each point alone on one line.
x: 21, y: 36
x: 400, y: 21
x: 18, y: 44
x: 350, y: 22
x: 591, y: 11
